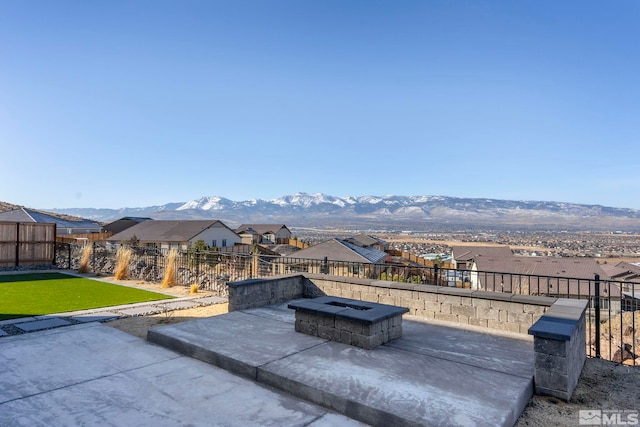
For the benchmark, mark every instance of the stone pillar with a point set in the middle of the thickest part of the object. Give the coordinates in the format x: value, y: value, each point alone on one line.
x: 560, y: 348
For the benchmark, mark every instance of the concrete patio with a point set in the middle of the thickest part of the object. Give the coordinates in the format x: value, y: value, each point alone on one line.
x: 95, y: 375
x: 254, y: 369
x: 433, y: 375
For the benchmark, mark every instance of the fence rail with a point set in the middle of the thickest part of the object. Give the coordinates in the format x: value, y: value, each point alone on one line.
x: 614, y: 306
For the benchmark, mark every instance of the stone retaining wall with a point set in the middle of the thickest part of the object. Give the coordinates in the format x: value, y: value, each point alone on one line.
x: 500, y: 311
x: 254, y: 293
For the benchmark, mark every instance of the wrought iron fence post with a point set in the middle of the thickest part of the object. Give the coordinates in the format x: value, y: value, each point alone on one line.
x: 596, y: 307
x: 69, y: 246
x: 93, y: 256
x: 435, y: 273
x: 197, y: 263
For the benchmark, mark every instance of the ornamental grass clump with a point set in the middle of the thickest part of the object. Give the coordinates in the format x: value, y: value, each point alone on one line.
x: 84, y: 259
x: 169, y: 278
x: 123, y: 257
x: 194, y: 288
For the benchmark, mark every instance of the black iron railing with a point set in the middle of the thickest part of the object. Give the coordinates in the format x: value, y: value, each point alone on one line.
x: 614, y: 306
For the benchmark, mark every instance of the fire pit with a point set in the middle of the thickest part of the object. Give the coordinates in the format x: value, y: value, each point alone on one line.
x: 359, y: 323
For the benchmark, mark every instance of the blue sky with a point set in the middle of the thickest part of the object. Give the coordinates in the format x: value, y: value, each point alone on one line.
x: 136, y: 103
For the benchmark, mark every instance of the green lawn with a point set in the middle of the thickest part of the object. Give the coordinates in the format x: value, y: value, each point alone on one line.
x: 35, y: 294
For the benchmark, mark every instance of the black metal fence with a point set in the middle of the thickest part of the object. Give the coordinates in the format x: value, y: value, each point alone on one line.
x: 611, y: 317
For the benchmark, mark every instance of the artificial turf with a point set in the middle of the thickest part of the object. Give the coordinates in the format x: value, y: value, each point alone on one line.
x: 34, y: 294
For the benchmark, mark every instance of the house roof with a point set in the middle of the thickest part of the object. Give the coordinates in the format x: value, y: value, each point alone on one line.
x: 624, y: 271
x: 30, y: 215
x: 250, y: 231
x: 166, y: 230
x: 123, y: 223
x: 469, y: 253
x: 614, y: 271
x: 583, y: 270
x: 365, y: 240
x: 261, y: 228
x: 340, y: 250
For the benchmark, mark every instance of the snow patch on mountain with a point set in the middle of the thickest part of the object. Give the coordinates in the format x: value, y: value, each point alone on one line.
x: 207, y: 203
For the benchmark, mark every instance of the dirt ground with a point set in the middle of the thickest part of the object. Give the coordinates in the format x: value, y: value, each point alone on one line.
x: 139, y: 326
x: 603, y: 384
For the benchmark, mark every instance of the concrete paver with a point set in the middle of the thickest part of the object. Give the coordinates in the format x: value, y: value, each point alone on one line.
x: 18, y: 320
x: 101, y: 316
x: 179, y: 305
x: 39, y: 325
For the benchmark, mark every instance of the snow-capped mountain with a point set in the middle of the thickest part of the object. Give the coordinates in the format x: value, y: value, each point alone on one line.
x: 208, y: 204
x: 389, y: 212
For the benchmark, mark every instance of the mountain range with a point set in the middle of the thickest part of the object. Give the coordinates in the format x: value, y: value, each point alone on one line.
x: 390, y: 212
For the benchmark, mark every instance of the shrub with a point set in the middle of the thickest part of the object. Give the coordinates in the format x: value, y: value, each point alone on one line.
x: 194, y: 288
x: 169, y: 278
x: 415, y: 279
x: 84, y: 259
x: 123, y: 257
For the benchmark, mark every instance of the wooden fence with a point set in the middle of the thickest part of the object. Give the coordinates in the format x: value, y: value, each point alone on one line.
x: 80, y: 238
x: 295, y: 242
x: 26, y: 243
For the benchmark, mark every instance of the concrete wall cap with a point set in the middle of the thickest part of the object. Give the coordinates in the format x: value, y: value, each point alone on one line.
x: 450, y: 290
x: 551, y: 329
x: 248, y: 282
x: 403, y: 286
x: 572, y: 302
x: 432, y: 289
x: 534, y: 300
x: 496, y: 296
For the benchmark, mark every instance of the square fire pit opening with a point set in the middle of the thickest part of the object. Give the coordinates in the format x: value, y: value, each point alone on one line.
x: 359, y: 323
x: 346, y: 305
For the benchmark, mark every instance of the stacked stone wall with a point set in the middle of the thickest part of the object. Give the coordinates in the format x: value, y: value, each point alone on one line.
x: 254, y: 293
x: 505, y: 312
